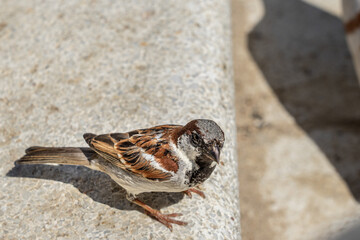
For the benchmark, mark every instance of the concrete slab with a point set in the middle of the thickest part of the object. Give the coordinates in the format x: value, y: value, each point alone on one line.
x: 110, y: 66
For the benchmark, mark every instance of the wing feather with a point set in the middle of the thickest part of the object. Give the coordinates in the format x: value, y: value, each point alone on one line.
x: 145, y: 152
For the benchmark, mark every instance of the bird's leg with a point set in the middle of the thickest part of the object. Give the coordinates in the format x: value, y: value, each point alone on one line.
x: 165, y: 219
x: 194, y: 190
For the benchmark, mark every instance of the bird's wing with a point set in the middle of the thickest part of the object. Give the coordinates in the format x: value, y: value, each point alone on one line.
x: 144, y: 152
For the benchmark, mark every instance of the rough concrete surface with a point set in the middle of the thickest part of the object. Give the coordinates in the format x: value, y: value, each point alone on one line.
x: 69, y: 67
x: 297, y: 99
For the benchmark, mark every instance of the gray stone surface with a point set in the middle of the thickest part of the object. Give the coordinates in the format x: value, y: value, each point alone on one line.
x: 110, y: 66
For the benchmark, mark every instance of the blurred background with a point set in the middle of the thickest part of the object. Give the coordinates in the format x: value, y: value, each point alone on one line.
x: 298, y: 115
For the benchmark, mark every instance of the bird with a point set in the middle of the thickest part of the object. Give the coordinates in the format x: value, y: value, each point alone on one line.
x: 164, y: 158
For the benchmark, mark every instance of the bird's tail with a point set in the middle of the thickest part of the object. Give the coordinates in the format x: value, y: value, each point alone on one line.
x: 64, y: 155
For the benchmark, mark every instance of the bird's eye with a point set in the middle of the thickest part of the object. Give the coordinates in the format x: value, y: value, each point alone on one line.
x: 195, y: 139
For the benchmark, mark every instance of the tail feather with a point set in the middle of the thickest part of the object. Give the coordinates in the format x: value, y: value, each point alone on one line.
x: 49, y: 155
x: 88, y: 137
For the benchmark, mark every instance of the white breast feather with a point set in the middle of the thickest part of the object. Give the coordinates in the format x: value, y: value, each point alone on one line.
x: 185, y: 164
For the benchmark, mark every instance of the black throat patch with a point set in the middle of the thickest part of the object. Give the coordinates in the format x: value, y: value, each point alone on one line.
x: 204, y: 171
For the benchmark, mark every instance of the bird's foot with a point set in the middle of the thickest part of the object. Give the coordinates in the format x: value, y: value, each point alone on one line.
x: 166, y: 219
x: 194, y: 190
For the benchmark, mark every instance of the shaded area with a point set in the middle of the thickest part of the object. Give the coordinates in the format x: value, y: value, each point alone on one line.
x: 295, y: 45
x: 97, y: 185
x: 352, y: 233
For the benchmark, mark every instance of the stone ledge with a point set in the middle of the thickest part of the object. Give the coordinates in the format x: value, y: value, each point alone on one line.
x: 73, y: 67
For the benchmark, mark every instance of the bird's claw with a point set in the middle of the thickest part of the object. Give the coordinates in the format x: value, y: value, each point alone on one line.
x: 194, y: 190
x: 166, y: 219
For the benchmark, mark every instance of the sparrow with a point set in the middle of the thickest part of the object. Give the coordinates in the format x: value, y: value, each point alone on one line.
x: 165, y: 158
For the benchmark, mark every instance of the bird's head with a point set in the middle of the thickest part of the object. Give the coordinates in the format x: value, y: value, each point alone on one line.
x: 201, y: 140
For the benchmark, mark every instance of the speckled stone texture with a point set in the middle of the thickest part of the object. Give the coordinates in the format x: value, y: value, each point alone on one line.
x: 110, y: 66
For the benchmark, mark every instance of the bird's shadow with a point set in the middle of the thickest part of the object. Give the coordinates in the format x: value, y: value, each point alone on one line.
x: 97, y: 185
x: 302, y: 52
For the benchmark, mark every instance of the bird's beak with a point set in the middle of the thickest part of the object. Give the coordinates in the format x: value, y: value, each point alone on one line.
x: 215, y: 152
